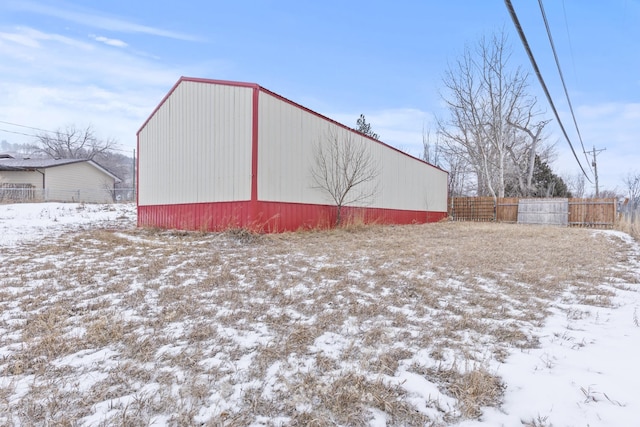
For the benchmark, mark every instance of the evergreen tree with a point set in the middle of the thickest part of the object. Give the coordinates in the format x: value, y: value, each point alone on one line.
x: 365, y: 128
x: 547, y: 183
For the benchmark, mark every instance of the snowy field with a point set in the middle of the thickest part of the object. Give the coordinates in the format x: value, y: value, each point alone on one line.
x: 441, y: 324
x: 28, y: 222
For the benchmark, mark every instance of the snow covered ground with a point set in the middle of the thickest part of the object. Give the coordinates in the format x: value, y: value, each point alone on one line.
x: 583, y: 373
x: 27, y: 222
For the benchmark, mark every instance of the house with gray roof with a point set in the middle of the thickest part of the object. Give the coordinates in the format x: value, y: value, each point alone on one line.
x: 60, y: 180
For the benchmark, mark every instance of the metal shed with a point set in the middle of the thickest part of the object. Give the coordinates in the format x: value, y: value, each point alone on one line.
x: 217, y: 154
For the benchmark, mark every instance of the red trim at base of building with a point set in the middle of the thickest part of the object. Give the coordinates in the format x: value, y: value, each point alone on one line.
x: 271, y: 217
x: 196, y: 216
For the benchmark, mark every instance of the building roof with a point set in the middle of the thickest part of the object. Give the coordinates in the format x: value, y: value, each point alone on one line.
x: 32, y: 164
x: 37, y: 163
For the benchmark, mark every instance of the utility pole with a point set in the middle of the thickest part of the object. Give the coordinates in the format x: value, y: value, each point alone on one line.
x: 594, y: 163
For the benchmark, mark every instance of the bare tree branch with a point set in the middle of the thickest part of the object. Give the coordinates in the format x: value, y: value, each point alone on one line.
x: 344, y: 168
x: 73, y: 143
x: 632, y: 182
x: 489, y: 112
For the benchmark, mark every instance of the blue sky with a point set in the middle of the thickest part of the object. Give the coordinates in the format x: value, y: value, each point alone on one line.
x: 109, y: 63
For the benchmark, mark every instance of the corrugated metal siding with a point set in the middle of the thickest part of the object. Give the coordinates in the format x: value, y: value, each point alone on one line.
x: 197, y: 146
x: 285, y: 150
x: 271, y: 216
x: 195, y: 216
x: 278, y: 217
x: 78, y: 182
x: 407, y: 183
x: 287, y: 136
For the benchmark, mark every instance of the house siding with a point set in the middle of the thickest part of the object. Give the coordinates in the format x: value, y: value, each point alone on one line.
x: 21, y: 177
x: 78, y: 182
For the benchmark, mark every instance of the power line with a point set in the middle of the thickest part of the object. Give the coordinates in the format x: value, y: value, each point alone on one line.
x: 17, y: 133
x: 566, y: 24
x: 523, y: 38
x: 566, y: 92
x: 27, y: 127
x: 42, y: 130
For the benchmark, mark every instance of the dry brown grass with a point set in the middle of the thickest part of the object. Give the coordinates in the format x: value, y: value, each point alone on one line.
x: 473, y: 386
x: 148, y: 326
x: 632, y: 228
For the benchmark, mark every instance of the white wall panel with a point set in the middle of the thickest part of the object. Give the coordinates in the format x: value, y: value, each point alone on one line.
x: 286, y: 135
x: 21, y: 177
x: 197, y: 146
x: 286, y: 138
x: 78, y: 182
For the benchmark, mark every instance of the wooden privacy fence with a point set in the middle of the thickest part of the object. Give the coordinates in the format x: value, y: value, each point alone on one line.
x: 597, y: 213
x: 483, y: 209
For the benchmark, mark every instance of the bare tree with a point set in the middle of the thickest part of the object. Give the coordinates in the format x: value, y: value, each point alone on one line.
x: 17, y: 149
x: 73, y: 143
x: 608, y: 193
x: 430, y: 148
x: 523, y: 153
x: 632, y: 184
x: 491, y: 124
x: 118, y: 164
x: 576, y: 184
x: 345, y: 169
x: 459, y: 184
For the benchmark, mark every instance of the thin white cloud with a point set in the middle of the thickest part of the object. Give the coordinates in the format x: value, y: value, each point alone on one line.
x: 21, y: 39
x: 49, y: 81
x: 96, y: 19
x: 108, y: 41
x: 32, y: 38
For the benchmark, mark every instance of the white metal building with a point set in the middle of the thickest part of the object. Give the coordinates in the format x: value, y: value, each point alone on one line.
x: 218, y: 154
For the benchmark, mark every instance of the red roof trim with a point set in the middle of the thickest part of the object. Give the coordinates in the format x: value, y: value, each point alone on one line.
x: 195, y: 80
x: 220, y: 82
x: 254, y: 151
x: 136, y: 184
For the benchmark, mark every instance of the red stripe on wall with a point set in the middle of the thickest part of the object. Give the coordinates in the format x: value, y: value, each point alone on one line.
x: 271, y: 217
x: 254, y: 153
x: 277, y: 217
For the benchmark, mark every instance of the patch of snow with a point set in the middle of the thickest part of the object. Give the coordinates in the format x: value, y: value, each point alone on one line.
x: 583, y: 373
x: 28, y: 222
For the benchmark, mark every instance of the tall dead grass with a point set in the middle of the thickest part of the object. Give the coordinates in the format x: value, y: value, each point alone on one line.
x: 627, y: 226
x: 311, y: 328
